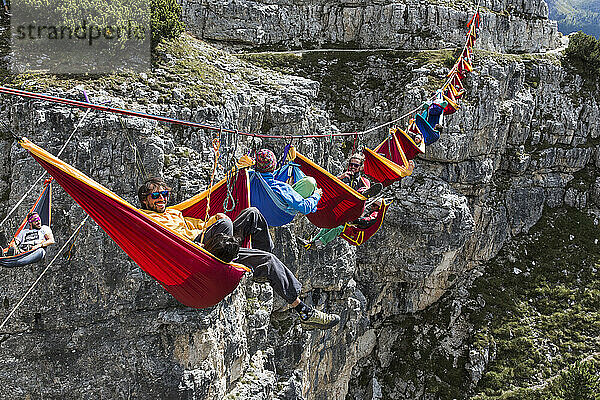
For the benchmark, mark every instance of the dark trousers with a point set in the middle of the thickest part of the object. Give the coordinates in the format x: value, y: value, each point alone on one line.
x: 264, y: 264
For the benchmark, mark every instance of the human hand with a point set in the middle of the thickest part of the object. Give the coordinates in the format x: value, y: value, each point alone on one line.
x: 318, y: 191
x: 219, y: 216
x: 346, y: 174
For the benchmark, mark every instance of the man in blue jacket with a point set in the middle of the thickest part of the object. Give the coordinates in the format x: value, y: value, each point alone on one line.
x: 302, y: 197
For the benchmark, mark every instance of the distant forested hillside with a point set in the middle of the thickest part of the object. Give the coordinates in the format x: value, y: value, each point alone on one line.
x: 576, y: 15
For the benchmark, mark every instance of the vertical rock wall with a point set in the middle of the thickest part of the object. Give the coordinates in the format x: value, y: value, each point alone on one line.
x: 97, y: 326
x: 511, y: 27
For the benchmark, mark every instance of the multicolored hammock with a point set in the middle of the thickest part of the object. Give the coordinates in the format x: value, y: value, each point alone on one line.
x: 389, y: 161
x: 339, y: 203
x: 357, y: 236
x: 453, y: 89
x: 42, y: 206
x: 188, y: 272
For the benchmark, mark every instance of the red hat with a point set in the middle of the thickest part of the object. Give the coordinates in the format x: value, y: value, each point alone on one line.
x: 265, y: 161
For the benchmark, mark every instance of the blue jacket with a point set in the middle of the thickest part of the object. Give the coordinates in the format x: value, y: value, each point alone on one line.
x: 289, y: 196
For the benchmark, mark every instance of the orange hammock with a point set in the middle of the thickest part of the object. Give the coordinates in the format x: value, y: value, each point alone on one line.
x: 356, y: 236
x: 188, y: 272
x: 388, y: 163
x: 339, y: 203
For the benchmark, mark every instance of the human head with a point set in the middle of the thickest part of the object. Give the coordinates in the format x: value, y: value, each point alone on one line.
x: 34, y: 220
x: 223, y: 246
x: 374, y: 206
x: 153, y: 188
x: 265, y: 161
x: 355, y: 162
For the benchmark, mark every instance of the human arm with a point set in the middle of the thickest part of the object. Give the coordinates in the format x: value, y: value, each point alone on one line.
x: 14, y: 246
x: 48, y: 240
x: 16, y: 242
x: 294, y: 200
x: 214, y: 219
x: 196, y: 223
x: 345, y: 175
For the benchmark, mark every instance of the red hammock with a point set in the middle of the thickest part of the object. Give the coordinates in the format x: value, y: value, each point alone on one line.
x: 192, y: 275
x: 339, y: 203
x: 408, y: 145
x: 388, y: 162
x: 356, y: 236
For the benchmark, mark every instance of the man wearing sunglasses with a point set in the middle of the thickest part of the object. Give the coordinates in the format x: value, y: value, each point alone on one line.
x: 353, y: 177
x: 220, y: 237
x: 37, y: 236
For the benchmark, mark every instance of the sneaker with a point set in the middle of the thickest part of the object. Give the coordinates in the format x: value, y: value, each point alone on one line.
x: 439, y: 128
x: 304, y: 243
x: 373, y: 190
x: 320, y: 320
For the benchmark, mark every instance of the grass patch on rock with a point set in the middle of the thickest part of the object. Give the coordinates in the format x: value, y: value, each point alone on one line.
x: 542, y: 306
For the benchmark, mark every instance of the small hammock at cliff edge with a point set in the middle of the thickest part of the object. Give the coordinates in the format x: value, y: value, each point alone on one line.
x: 188, y: 272
x: 42, y: 206
x: 357, y: 236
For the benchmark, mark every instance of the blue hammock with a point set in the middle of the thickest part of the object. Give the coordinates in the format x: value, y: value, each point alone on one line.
x: 43, y: 206
x: 271, y: 206
x: 430, y: 135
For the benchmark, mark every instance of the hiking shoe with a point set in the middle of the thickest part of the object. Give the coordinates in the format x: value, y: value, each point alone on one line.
x: 320, y: 320
x: 304, y: 243
x: 373, y: 190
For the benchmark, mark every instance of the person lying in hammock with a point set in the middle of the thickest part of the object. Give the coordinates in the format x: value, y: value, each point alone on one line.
x: 434, y: 112
x: 353, y: 177
x: 303, y: 196
x: 326, y: 235
x: 221, y: 237
x: 35, y: 237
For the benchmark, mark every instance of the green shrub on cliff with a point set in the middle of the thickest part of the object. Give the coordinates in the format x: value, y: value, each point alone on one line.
x: 165, y: 20
x: 580, y: 382
x: 584, y: 52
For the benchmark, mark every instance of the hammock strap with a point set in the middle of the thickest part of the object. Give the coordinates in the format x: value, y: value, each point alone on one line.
x: 44, y: 271
x: 232, y: 170
x: 44, y: 173
x: 284, y: 155
x: 216, y: 143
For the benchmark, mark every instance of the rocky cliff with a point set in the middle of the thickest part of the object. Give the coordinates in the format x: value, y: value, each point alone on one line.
x: 511, y: 26
x: 524, y: 141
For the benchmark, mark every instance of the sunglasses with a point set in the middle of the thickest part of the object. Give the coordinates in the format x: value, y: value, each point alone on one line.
x: 34, y: 219
x: 354, y: 165
x: 156, y: 195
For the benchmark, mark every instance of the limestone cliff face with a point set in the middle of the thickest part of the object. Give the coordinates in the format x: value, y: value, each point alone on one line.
x: 511, y: 26
x: 97, y: 326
